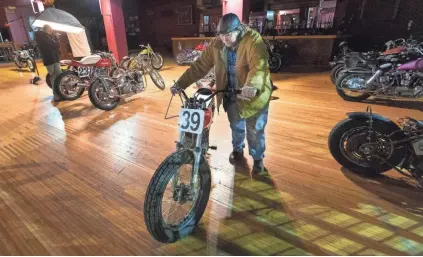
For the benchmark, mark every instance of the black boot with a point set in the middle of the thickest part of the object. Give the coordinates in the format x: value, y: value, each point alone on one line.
x: 258, y: 167
x: 236, y: 156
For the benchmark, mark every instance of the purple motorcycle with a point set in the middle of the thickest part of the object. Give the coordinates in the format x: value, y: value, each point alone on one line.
x: 401, y: 76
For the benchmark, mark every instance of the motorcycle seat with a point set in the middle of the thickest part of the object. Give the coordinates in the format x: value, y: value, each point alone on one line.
x: 89, y: 60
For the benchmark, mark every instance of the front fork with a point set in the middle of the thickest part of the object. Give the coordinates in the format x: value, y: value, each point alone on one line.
x: 197, y: 159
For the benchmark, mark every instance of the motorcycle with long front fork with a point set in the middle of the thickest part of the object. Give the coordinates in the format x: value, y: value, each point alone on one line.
x: 399, y: 78
x: 189, y: 56
x: 371, y: 144
x: 185, y: 172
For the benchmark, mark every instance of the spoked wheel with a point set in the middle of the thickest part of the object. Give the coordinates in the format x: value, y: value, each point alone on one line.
x: 157, y: 61
x: 99, y: 96
x: 30, y: 64
x: 66, y: 85
x: 180, y: 59
x: 48, y: 80
x: 173, y: 205
x: 336, y: 72
x: 351, y: 87
x: 157, y: 79
x: 275, y: 62
x: 358, y: 149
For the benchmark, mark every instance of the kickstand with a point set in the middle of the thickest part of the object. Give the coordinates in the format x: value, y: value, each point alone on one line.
x: 168, y: 107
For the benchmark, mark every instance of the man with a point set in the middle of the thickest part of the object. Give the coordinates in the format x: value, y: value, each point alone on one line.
x: 49, y: 47
x: 240, y: 58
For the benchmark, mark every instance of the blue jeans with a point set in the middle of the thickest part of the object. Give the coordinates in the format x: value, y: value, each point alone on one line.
x: 254, y: 126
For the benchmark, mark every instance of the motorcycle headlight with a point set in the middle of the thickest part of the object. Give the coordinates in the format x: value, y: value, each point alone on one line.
x: 21, y: 54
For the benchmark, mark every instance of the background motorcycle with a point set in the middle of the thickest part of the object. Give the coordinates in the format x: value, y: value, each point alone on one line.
x: 188, y: 56
x: 370, y: 144
x: 23, y: 59
x: 156, y: 59
x: 397, y: 78
x: 106, y: 92
x: 348, y: 59
x: 275, y: 59
x: 72, y: 82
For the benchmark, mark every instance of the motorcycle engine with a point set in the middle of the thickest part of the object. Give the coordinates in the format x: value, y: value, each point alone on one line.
x: 131, y: 83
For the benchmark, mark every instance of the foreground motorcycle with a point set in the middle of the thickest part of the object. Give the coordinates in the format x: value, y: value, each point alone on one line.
x: 23, y: 59
x: 370, y: 144
x: 188, y: 56
x: 183, y: 179
x: 156, y: 59
x: 72, y: 83
x: 398, y: 78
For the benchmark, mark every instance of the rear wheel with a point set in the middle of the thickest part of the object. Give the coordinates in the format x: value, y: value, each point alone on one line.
x: 30, y: 64
x: 355, y: 148
x: 157, y: 79
x: 66, y: 85
x: 172, y: 208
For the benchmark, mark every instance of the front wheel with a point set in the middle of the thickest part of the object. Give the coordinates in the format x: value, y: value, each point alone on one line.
x: 352, y: 87
x: 181, y: 59
x: 355, y: 147
x: 157, y: 61
x: 336, y: 72
x: 275, y: 62
x: 171, y: 185
x: 157, y: 79
x: 100, y: 98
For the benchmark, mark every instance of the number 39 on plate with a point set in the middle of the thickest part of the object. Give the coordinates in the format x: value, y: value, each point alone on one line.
x: 191, y: 121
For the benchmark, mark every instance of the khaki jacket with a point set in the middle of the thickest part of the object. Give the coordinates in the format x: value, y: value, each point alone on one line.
x: 252, y: 69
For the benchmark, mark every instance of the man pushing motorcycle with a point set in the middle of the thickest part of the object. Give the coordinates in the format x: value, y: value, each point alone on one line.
x: 240, y: 58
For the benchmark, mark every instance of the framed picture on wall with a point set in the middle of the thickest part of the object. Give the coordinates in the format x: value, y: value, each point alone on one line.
x: 184, y: 14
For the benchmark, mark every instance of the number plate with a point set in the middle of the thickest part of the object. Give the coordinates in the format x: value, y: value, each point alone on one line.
x: 84, y: 71
x: 191, y: 121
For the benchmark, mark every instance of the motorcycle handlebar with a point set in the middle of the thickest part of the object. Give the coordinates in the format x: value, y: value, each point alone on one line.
x: 237, y: 91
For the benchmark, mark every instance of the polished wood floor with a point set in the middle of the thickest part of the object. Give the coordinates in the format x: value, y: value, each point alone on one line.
x: 73, y: 178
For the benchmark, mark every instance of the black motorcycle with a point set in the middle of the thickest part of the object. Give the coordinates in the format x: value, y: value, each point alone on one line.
x: 371, y: 144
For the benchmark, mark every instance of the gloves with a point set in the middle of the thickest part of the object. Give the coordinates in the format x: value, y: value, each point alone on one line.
x: 175, y: 89
x: 248, y: 93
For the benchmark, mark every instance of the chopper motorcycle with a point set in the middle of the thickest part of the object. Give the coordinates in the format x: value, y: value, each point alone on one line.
x: 400, y: 76
x: 188, y: 56
x: 371, y: 144
x: 106, y: 92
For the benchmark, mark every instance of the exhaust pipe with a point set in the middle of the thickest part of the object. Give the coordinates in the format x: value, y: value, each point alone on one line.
x: 374, y: 77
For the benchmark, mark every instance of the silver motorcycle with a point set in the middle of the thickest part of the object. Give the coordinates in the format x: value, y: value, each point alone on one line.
x: 23, y: 59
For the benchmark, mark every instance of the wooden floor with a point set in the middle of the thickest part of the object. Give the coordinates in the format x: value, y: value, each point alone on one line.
x: 73, y: 178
